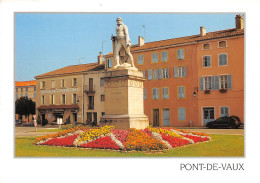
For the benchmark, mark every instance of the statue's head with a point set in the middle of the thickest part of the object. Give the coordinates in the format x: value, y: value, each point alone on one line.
x: 119, y: 21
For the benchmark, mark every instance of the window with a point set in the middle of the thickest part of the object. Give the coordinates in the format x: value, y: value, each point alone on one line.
x: 102, y: 97
x: 145, y: 93
x: 166, y: 117
x: 154, y: 57
x: 21, y: 94
x: 26, y: 94
x: 165, y: 73
x: 207, y: 83
x: 53, y: 84
x: 165, y: 92
x: 16, y: 96
x: 103, y: 113
x: 155, y: 74
x: 74, y: 82
x: 180, y: 71
x: 91, y: 102
x: 43, y: 85
x: 102, y: 82
x: 34, y: 95
x: 144, y: 74
x: 26, y: 89
x: 150, y: 74
x: 224, y: 111
x: 140, y: 59
x: 206, y: 61
x: 225, y: 82
x: 206, y: 46
x: 43, y: 99
x: 155, y: 93
x: 63, y: 99
x: 35, y: 88
x: 180, y: 54
x: 222, y: 58
x: 74, y: 98
x: 109, y: 63
x: 222, y: 44
x: 52, y: 99
x: 181, y: 114
x: 181, y: 92
x: 21, y: 89
x: 164, y: 56
x: 63, y: 83
x: 16, y: 89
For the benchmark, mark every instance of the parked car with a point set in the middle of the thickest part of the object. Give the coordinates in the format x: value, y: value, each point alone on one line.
x: 225, y: 122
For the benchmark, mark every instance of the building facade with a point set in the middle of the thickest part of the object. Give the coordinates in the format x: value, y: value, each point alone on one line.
x: 61, y: 94
x: 25, y: 89
x: 192, y: 80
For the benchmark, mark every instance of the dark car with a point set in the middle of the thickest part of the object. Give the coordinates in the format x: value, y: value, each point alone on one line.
x: 225, y: 122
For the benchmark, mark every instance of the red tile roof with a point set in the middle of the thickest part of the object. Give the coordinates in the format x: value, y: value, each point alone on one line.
x: 25, y: 83
x: 74, y: 69
x: 188, y: 39
x: 72, y: 106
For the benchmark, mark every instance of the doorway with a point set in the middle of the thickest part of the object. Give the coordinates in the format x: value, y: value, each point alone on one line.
x: 156, y: 117
x: 208, y: 115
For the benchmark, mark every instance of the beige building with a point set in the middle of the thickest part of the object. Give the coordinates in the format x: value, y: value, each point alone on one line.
x: 69, y: 94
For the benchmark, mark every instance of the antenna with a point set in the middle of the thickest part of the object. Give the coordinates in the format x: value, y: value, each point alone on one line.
x: 80, y: 59
x: 144, y: 30
x: 102, y: 46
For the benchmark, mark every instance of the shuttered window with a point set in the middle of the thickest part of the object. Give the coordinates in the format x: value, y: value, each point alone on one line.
x: 43, y: 99
x: 222, y: 59
x: 181, y: 114
x: 180, y: 71
x: 150, y: 74
x: 63, y: 99
x: 165, y: 92
x: 224, y: 111
x: 140, y: 59
x: 144, y: 74
x: 53, y: 84
x: 206, y: 61
x: 74, y: 98
x: 102, y: 82
x: 222, y: 44
x: 180, y: 54
x: 145, y: 93
x: 52, y: 99
x: 109, y: 63
x: 166, y: 117
x: 181, y: 92
x: 225, y: 82
x: 155, y: 74
x: 155, y: 57
x: 164, y: 56
x: 165, y: 73
x: 155, y: 93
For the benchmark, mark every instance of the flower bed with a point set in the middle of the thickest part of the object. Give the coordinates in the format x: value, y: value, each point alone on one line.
x: 127, y: 140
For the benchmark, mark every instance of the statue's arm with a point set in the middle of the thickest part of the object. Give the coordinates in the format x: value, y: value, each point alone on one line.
x: 127, y: 36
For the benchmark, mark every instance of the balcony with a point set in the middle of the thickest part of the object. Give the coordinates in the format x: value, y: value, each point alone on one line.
x: 207, y: 91
x: 223, y: 90
x: 90, y: 90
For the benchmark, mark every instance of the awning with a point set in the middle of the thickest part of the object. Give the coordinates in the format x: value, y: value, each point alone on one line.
x: 72, y: 106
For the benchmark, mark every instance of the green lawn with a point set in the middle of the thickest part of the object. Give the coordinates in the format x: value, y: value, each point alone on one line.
x: 221, y: 145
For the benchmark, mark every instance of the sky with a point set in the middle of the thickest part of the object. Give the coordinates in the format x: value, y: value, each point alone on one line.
x: 48, y: 41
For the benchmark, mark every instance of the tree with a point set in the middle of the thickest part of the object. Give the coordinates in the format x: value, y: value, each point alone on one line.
x: 24, y: 106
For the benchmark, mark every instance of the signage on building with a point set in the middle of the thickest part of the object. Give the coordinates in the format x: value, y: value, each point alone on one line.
x: 60, y: 90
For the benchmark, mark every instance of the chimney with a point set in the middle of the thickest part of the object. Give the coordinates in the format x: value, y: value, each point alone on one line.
x: 100, y: 58
x: 202, y: 31
x: 140, y: 41
x: 239, y: 22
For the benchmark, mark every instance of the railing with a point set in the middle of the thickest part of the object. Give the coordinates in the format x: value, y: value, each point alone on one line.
x: 90, y: 89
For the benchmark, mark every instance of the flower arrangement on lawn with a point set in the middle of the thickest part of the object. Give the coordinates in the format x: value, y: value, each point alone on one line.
x: 107, y: 137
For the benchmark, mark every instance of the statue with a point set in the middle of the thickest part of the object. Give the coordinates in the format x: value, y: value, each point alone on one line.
x: 121, y: 47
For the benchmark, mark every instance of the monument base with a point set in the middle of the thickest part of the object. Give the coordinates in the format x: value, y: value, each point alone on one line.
x: 125, y: 121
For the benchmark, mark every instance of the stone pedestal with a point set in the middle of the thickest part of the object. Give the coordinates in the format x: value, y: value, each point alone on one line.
x: 124, y: 106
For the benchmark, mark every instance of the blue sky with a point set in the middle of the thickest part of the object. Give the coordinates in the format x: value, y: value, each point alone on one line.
x: 49, y: 41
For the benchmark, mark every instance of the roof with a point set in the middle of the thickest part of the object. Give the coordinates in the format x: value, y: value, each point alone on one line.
x: 187, y: 39
x: 25, y: 83
x: 74, y: 69
x: 72, y: 106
